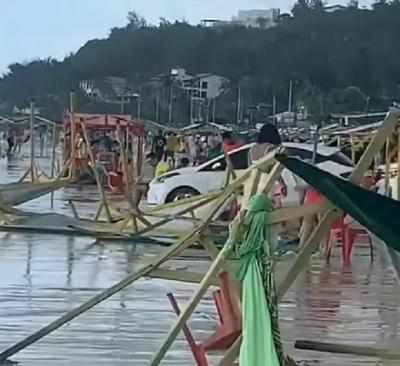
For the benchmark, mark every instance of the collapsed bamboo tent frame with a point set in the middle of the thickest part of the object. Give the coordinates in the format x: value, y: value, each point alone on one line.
x: 33, y: 172
x: 220, y: 258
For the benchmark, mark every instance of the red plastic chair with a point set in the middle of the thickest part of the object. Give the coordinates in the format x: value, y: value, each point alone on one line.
x: 228, y: 306
x: 116, y: 181
x: 336, y: 232
x: 348, y: 235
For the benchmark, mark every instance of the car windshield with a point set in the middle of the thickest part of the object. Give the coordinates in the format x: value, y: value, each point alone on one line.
x: 239, y: 159
x: 342, y: 159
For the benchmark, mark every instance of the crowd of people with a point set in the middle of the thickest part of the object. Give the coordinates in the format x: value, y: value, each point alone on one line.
x: 181, y: 150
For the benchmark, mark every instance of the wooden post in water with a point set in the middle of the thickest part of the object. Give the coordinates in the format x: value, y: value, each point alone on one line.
x: 32, y: 141
x: 387, y: 167
x: 104, y: 203
x: 53, y: 161
x: 73, y: 135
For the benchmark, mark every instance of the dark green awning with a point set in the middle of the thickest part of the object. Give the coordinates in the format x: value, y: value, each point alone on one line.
x: 379, y: 214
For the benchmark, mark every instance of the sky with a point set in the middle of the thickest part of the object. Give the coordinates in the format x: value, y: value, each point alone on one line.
x: 32, y: 29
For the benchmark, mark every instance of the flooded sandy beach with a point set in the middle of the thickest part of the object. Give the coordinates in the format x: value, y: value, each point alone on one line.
x: 43, y: 276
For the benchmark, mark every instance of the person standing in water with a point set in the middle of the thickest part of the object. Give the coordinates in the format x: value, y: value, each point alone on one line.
x: 158, y: 145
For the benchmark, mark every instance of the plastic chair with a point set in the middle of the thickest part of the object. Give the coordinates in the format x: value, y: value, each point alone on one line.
x: 336, y: 232
x: 228, y: 306
x: 348, y: 236
x: 116, y: 181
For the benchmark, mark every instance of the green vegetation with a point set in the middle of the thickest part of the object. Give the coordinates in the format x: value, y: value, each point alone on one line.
x: 336, y: 61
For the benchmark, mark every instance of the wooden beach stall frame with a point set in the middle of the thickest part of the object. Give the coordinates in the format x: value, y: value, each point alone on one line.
x: 199, y: 234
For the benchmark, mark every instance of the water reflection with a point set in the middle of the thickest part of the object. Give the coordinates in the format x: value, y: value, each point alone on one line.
x: 42, y: 276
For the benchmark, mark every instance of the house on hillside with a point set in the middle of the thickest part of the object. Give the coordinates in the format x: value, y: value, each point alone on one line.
x: 110, y: 88
x: 252, y: 18
x: 258, y: 18
x: 205, y: 86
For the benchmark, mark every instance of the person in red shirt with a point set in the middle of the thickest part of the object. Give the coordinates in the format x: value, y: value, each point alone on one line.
x: 228, y: 143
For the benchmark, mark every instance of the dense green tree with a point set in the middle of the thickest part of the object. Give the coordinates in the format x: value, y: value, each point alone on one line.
x: 322, y: 53
x: 301, y: 8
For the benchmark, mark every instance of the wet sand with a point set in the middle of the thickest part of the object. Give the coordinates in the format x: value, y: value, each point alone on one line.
x: 43, y: 276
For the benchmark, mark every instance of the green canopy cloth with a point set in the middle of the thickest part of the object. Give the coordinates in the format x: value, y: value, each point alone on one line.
x: 379, y: 214
x: 261, y: 345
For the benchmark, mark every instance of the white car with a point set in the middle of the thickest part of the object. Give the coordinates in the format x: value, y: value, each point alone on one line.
x: 210, y: 176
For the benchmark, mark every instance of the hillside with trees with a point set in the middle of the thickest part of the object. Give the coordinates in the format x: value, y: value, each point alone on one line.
x: 336, y: 61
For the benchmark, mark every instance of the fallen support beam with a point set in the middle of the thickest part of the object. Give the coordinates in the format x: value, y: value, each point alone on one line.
x: 181, y: 275
x: 297, y: 212
x: 347, y: 349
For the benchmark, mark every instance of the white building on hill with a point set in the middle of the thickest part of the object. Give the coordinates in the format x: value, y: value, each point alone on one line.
x: 257, y: 18
x: 252, y: 18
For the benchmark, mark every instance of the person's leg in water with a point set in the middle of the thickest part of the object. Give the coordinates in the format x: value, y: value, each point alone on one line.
x: 310, y: 221
x: 10, y: 142
x: 139, y: 192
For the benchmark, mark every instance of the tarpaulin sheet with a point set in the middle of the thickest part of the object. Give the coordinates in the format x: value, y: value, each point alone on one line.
x: 379, y: 214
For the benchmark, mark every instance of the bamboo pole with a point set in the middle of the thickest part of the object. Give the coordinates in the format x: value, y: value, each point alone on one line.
x: 74, y: 210
x: 181, y: 276
x: 182, y: 202
x: 134, y: 211
x: 96, y: 174
x: 53, y: 161
x: 376, y: 144
x: 273, y: 176
x: 32, y: 141
x: 347, y: 349
x: 73, y: 135
x: 182, y: 212
x: 251, y: 186
x: 295, y: 212
x: 387, y: 167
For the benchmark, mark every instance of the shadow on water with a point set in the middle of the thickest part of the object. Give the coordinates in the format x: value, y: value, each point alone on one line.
x: 43, y: 276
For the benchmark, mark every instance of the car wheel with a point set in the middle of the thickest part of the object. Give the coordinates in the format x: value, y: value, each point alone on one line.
x: 181, y: 193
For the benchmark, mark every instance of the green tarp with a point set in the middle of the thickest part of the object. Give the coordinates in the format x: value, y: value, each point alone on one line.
x: 377, y: 213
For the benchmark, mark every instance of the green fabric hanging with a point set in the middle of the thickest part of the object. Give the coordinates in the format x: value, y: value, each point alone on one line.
x: 261, y: 345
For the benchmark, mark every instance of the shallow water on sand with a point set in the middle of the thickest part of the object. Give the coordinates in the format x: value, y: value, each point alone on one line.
x: 43, y: 276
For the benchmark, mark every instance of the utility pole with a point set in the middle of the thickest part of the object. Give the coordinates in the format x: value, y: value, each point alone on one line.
x: 171, y: 96
x: 191, y: 106
x: 274, y: 108
x: 139, y: 107
x: 214, y: 108
x: 239, y: 104
x: 157, y: 102
x: 290, y: 96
